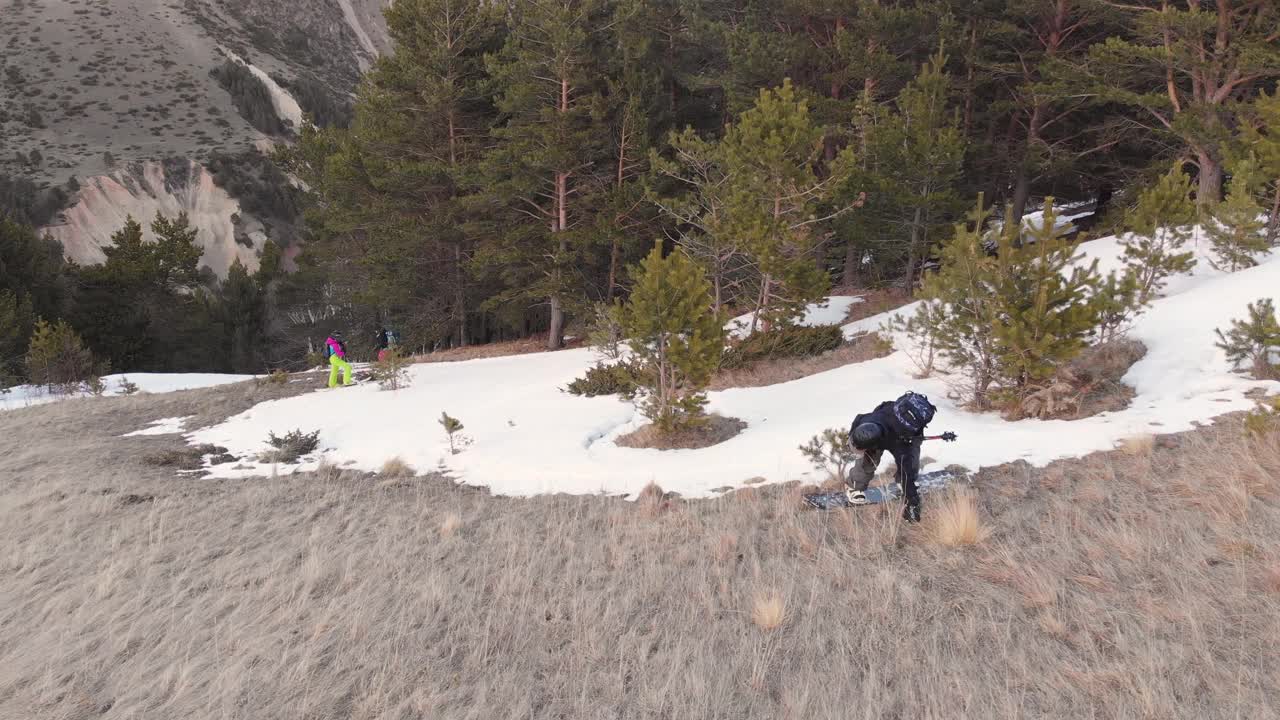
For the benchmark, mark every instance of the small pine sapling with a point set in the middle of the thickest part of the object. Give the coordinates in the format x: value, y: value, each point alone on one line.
x: 292, y: 446
x: 1160, y: 226
x: 1255, y: 340
x: 676, y: 339
x: 128, y: 387
x: 391, y: 371
x: 1237, y: 233
x: 95, y: 386
x: 604, y: 334
x: 831, y: 451
x: 452, y: 427
x: 1116, y: 302
x: 1264, y: 418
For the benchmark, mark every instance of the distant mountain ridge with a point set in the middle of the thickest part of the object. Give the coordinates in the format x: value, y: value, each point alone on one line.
x: 114, y: 99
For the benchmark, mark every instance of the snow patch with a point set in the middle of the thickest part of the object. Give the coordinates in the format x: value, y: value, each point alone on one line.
x: 830, y: 312
x: 286, y: 107
x: 29, y: 395
x: 163, y: 426
x: 530, y: 438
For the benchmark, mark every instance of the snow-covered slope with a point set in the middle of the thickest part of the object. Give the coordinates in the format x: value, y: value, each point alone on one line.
x: 530, y: 437
x: 28, y: 395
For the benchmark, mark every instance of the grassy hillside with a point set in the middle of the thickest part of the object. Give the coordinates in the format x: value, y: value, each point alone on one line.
x: 1138, y: 583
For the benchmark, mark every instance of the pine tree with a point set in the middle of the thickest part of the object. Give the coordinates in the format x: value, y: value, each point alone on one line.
x: 1181, y: 71
x: 958, y: 312
x: 1117, y: 304
x: 57, y: 358
x: 1044, y: 301
x: 1236, y: 232
x: 776, y: 202
x: 676, y: 339
x: 1159, y: 227
x: 16, y: 322
x: 699, y: 175
x: 1008, y: 322
x: 543, y: 171
x: 1255, y: 340
x: 911, y: 172
x: 1262, y: 138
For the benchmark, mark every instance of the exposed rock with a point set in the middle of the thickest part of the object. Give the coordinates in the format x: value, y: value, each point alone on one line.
x: 106, y: 201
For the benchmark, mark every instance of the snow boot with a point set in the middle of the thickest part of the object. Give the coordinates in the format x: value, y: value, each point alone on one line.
x: 911, y: 511
x: 856, y: 497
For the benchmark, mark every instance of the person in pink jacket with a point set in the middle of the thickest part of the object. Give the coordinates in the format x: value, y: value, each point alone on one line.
x: 337, y: 352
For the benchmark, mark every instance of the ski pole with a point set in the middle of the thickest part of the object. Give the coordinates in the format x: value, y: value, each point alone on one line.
x: 948, y: 436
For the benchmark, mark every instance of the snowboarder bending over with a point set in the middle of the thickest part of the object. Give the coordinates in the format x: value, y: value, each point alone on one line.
x: 337, y: 352
x: 898, y: 427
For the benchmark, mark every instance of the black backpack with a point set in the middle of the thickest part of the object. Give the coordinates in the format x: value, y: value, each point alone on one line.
x: 913, y: 412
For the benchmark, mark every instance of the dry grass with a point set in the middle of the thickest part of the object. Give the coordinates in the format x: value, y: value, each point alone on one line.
x: 768, y: 610
x: 450, y: 524
x: 1138, y: 445
x: 396, y: 468
x: 955, y: 520
x: 1112, y: 586
x: 716, y: 430
x: 780, y: 370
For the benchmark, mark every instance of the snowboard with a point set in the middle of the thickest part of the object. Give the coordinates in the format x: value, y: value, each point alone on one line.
x: 925, y: 483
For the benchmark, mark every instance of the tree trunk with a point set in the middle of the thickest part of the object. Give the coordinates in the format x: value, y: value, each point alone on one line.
x: 555, y: 335
x: 1273, y: 228
x: 913, y: 252
x: 849, y: 276
x: 1209, y: 191
x: 461, y: 298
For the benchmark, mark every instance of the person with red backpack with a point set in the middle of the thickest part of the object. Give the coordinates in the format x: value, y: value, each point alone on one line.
x: 336, y: 350
x: 896, y: 426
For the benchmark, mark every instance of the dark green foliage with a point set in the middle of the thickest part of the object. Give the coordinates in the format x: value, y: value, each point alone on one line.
x: 261, y: 188
x: 324, y: 107
x: 786, y: 341
x: 391, y: 371
x: 617, y: 378
x: 250, y: 96
x: 24, y: 202
x: 16, y: 323
x: 1254, y: 341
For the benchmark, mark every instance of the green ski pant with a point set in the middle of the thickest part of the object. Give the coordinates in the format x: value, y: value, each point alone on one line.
x: 336, y: 363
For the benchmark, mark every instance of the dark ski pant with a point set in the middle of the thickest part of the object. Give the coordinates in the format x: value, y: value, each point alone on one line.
x: 908, y: 468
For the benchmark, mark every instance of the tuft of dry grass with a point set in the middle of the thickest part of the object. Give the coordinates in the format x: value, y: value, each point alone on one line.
x: 955, y: 520
x: 396, y: 468
x: 768, y: 609
x: 450, y: 524
x: 1138, y: 445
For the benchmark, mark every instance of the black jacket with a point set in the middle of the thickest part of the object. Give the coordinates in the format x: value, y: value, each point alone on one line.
x: 896, y: 439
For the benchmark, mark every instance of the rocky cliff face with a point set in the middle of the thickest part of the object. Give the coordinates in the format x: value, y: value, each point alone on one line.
x: 141, y: 190
x: 114, y: 99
